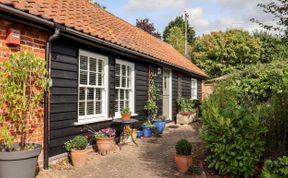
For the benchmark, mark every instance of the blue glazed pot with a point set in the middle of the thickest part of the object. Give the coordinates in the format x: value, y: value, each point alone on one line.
x: 139, y: 134
x: 160, y: 125
x: 147, y: 131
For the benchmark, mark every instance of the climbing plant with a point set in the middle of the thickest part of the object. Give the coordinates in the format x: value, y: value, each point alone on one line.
x: 151, y: 104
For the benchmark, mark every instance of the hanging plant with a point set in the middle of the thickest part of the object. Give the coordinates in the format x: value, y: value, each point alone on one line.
x: 23, y: 80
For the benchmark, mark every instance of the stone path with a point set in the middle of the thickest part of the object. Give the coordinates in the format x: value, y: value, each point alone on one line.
x: 153, y: 158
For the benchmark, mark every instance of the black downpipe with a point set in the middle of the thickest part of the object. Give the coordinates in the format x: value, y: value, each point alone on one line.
x: 46, y: 98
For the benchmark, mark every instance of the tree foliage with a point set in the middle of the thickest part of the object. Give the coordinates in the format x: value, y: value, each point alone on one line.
x: 148, y: 27
x: 176, y: 39
x: 279, y: 9
x: 180, y: 23
x: 97, y: 4
x: 220, y: 52
x: 23, y: 80
x: 273, y: 47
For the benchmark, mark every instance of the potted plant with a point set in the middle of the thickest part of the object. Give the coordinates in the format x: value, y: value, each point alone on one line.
x: 183, y: 157
x: 23, y: 80
x: 186, y: 111
x: 77, y: 148
x: 147, y: 128
x: 160, y: 123
x: 104, y: 140
x: 126, y: 114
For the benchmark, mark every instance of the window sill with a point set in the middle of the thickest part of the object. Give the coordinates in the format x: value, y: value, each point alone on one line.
x: 91, y: 121
x: 119, y: 116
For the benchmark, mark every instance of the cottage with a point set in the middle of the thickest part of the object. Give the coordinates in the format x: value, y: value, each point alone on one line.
x: 98, y: 64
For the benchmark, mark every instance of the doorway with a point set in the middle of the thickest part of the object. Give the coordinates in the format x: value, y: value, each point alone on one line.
x: 167, y: 94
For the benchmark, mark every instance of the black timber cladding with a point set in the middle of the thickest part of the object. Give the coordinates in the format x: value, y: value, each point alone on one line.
x: 64, y: 92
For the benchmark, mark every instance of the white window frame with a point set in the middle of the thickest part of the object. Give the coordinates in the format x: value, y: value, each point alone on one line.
x: 105, y: 89
x: 132, y: 92
x: 194, y: 89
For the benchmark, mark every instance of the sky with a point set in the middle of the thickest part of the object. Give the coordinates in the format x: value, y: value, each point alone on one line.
x: 205, y: 16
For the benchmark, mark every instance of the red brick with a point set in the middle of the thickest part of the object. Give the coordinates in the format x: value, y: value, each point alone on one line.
x: 31, y: 40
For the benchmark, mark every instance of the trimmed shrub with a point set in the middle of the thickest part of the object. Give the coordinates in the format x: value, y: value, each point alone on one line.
x: 183, y: 147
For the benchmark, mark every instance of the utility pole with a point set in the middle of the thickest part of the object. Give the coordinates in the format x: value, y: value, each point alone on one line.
x: 186, y: 28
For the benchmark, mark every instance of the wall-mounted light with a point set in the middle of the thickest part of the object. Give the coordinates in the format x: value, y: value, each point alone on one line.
x: 159, y: 71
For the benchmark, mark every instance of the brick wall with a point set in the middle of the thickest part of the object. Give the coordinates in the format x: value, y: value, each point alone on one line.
x: 33, y: 40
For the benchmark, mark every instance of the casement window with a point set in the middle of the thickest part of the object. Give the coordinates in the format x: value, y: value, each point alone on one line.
x: 194, y: 94
x: 124, y: 86
x: 93, y: 87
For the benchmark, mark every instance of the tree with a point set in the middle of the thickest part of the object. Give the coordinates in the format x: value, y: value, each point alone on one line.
x: 97, y: 4
x: 180, y: 23
x: 219, y: 53
x: 148, y: 27
x: 176, y: 38
x: 273, y: 48
x: 279, y: 9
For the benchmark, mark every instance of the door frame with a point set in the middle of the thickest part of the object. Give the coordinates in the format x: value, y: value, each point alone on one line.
x: 170, y: 116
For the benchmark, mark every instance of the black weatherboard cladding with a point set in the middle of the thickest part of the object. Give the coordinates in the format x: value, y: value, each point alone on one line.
x: 64, y: 96
x: 64, y: 92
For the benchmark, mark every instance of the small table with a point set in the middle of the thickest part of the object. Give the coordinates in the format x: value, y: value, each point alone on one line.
x: 127, y: 130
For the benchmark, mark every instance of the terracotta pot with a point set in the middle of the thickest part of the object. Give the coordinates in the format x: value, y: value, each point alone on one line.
x: 78, y: 157
x: 183, y: 162
x: 104, y: 145
x: 126, y: 116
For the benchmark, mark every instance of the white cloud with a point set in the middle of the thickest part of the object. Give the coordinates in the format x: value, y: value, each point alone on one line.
x: 152, y: 5
x: 196, y: 19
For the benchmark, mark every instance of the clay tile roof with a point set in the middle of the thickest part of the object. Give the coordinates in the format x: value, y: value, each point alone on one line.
x: 87, y: 18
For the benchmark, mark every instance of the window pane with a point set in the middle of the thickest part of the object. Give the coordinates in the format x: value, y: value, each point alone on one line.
x: 117, y: 81
x: 83, y: 77
x: 83, y: 62
x: 98, y: 94
x: 90, y: 108
x: 82, y: 93
x: 92, y: 62
x: 123, y: 70
x: 100, y: 66
x: 126, y: 104
x: 117, y: 69
x: 128, y: 71
x: 81, y: 108
x: 90, y: 93
x: 121, y: 105
x: 100, y: 80
x: 121, y: 94
x: 123, y: 81
x: 127, y: 95
x: 98, y: 107
x: 92, y: 78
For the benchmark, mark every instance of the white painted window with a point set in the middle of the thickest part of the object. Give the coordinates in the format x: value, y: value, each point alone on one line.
x: 194, y: 93
x: 93, y: 87
x: 124, y: 86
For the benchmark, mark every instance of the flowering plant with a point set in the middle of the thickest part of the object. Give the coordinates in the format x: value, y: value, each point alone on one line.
x: 105, y: 133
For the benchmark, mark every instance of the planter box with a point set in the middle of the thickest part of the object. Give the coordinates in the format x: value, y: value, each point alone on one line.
x: 186, y: 118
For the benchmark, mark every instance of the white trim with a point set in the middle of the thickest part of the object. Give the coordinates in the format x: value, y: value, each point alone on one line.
x: 132, y: 93
x: 170, y: 97
x: 170, y: 116
x: 195, y: 88
x: 91, y: 121
x: 105, y: 89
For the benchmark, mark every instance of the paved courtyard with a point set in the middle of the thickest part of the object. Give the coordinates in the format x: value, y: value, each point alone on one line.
x: 153, y: 158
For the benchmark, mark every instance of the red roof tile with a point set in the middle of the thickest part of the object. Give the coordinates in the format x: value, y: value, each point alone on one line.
x: 92, y: 20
